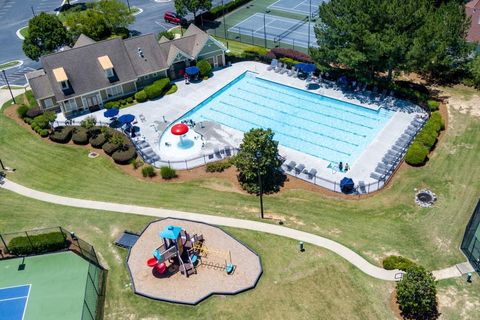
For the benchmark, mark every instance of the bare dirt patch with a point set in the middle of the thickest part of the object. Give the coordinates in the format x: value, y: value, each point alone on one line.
x: 461, y: 98
x: 394, y: 305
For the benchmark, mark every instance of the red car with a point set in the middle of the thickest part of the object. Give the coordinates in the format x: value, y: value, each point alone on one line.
x: 174, y: 18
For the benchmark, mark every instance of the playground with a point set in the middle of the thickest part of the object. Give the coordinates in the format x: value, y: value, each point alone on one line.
x: 181, y: 261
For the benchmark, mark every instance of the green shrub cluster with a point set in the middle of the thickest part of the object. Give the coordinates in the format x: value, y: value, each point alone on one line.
x: 289, y: 61
x: 22, y: 111
x: 205, y: 67
x: 425, y: 140
x: 98, y: 141
x: 433, y: 105
x: 61, y: 134
x: 219, y: 10
x: 35, y: 244
x: 168, y: 173
x: 157, y: 89
x: 172, y: 89
x: 141, y: 96
x: 110, y: 148
x: 137, y: 163
x: 397, y: 262
x: 167, y: 34
x: 218, y: 166
x: 124, y: 155
x: 120, y: 103
x: 41, y: 124
x: 148, y: 171
x: 31, y: 99
x: 80, y: 136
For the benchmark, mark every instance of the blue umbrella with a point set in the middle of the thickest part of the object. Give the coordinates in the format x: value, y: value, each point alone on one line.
x: 191, y: 71
x: 346, y: 185
x: 306, y: 67
x: 110, y: 113
x: 126, y: 118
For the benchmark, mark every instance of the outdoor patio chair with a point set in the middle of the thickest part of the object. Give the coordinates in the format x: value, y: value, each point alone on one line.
x: 279, y: 67
x: 383, y: 95
x: 299, y: 168
x: 410, y: 132
x: 393, y: 153
x: 398, y: 148
x: 142, y: 118
x: 291, y: 165
x: 273, y: 64
x: 291, y: 72
x: 285, y: 69
x: 361, y: 186
x: 312, y: 173
x: 381, y: 170
x: 377, y: 176
x: 383, y: 165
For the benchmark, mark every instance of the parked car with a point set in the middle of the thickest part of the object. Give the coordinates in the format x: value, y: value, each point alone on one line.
x: 174, y: 18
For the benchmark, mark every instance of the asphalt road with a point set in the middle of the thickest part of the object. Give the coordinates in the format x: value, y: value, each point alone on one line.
x: 14, y: 14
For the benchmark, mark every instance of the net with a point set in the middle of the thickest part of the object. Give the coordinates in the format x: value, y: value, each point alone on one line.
x: 284, y: 34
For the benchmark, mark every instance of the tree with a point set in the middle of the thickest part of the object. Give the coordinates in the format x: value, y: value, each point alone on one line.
x: 380, y: 36
x: 193, y: 6
x: 269, y: 163
x: 416, y: 294
x: 205, y: 67
x: 46, y: 34
x: 167, y: 34
x: 90, y: 23
x: 116, y: 13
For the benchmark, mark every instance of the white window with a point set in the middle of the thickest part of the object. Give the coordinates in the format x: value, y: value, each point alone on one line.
x: 48, y: 103
x: 114, y: 91
x: 109, y: 73
x: 70, y: 105
x: 64, y: 85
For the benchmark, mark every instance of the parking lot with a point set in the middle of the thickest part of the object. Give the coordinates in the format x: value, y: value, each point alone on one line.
x: 14, y: 14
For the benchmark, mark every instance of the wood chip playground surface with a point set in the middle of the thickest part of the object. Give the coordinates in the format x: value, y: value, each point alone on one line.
x: 50, y: 286
x: 211, y: 277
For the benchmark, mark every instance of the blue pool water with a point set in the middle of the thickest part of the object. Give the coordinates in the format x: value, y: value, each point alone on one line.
x: 323, y: 127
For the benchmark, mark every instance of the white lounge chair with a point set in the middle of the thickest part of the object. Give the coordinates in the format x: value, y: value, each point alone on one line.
x: 279, y: 67
x: 272, y: 65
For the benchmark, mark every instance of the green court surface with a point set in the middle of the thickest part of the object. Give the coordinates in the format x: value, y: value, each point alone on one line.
x: 57, y: 284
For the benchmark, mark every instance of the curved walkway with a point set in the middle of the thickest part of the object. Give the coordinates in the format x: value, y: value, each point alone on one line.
x: 344, y: 252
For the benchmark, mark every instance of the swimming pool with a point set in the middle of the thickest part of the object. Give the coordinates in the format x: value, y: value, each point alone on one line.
x: 320, y: 126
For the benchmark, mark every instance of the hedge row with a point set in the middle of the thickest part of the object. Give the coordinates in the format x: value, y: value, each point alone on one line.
x: 425, y: 140
x: 290, y: 53
x: 34, y: 244
x: 157, y: 89
x: 120, y: 102
x: 205, y: 67
x: 218, y: 166
x: 219, y: 10
x: 61, y: 134
x: 397, y: 262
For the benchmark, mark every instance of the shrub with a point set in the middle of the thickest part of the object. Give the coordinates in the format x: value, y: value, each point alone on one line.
x: 43, y: 133
x: 397, y: 262
x: 205, y: 67
x: 433, y: 105
x: 129, y: 99
x: 427, y: 138
x: 34, y: 244
x: 157, y: 89
x: 34, y: 112
x: 111, y: 104
x: 172, y: 89
x: 22, y: 111
x: 88, y: 122
x: 41, y: 122
x: 61, y: 134
x: 416, y: 294
x: 290, y: 53
x: 168, y: 173
x: 218, y: 166
x: 98, y: 141
x: 141, y: 96
x: 217, y: 11
x: 258, y: 51
x: 167, y: 34
x: 124, y: 156
x: 436, y: 118
x: 122, y: 102
x: 31, y: 99
x: 289, y: 61
x: 136, y: 163
x: 416, y: 154
x: 148, y: 171
x: 110, y: 148
x: 80, y: 136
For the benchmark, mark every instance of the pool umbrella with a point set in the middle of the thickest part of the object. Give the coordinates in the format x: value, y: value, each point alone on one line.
x: 110, y: 113
x: 126, y: 118
x: 346, y: 185
x: 191, y: 71
x: 306, y: 67
x: 179, y: 130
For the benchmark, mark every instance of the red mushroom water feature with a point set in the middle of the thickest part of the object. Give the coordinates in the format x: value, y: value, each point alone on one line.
x: 179, y: 130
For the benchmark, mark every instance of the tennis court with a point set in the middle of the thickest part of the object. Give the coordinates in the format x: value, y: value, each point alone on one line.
x: 300, y: 7
x: 44, y: 287
x: 13, y: 301
x: 276, y: 29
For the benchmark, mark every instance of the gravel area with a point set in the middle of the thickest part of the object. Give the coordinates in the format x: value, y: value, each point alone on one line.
x: 210, y: 278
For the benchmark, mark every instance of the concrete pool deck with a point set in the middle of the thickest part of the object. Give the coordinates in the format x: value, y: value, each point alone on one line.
x: 155, y: 116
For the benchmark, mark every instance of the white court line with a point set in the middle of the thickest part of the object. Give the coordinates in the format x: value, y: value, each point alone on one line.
x: 26, y: 302
x: 16, y: 298
x: 20, y: 285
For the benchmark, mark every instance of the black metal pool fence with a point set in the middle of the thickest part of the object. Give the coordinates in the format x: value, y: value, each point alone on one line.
x: 471, y: 241
x: 94, y: 297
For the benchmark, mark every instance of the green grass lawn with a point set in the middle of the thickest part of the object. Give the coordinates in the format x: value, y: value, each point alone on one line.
x: 386, y: 223
x: 9, y: 64
x: 24, y: 31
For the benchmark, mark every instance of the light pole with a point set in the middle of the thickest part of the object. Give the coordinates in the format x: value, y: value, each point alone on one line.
x: 264, y: 31
x: 33, y: 11
x: 8, y: 85
x: 309, y: 18
x: 224, y: 25
x: 128, y: 4
x: 258, y: 156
